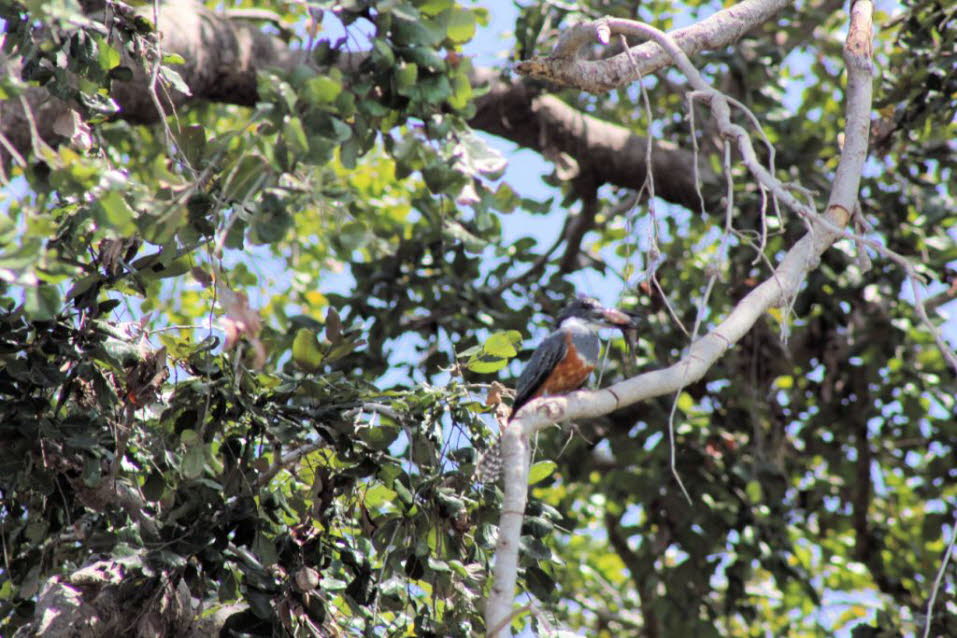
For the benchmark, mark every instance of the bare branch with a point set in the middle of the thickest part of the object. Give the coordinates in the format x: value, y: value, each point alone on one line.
x: 515, y: 460
x: 781, y: 287
x: 715, y: 32
x: 939, y: 578
x: 610, y: 152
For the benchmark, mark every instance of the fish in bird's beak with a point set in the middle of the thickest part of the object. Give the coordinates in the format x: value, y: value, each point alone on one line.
x: 617, y: 318
x: 628, y: 322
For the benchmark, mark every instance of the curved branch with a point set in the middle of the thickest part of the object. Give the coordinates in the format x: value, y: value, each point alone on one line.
x: 224, y: 56
x: 614, y: 154
x: 563, y: 67
x: 782, y: 286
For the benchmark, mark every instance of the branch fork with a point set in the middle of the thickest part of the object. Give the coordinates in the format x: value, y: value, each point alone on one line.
x: 784, y: 283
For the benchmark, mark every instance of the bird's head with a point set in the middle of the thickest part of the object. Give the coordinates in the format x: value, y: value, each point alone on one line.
x: 589, y: 310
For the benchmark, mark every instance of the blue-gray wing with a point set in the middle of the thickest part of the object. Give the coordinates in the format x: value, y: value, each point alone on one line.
x: 547, y: 355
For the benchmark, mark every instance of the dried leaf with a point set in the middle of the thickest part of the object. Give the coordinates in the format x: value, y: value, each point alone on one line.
x: 241, y: 322
x: 70, y: 125
x: 201, y: 276
x: 145, y: 378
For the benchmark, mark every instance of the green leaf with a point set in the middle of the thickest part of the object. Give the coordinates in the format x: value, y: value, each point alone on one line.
x: 541, y: 471
x: 115, y: 213
x: 346, y: 104
x: 486, y: 366
x: 272, y: 221
x: 332, y: 584
x: 435, y: 90
x: 502, y: 344
x: 321, y: 89
x: 175, y: 80
x: 459, y: 24
x: 107, y: 56
x: 249, y: 176
x: 340, y: 130
x: 192, y: 141
x: 378, y: 495
x: 379, y: 437
x: 537, y: 526
x: 437, y: 565
x: 784, y: 382
x: 535, y: 549
x: 349, y: 153
x: 405, y: 496
x: 433, y: 7
x: 344, y: 348
x: 459, y: 233
x: 425, y: 57
x: 406, y: 32
x: 540, y: 583
x: 194, y: 462
x: 685, y: 402
x: 321, y: 149
x: 154, y: 486
x: 382, y: 55
x: 406, y: 76
x: 295, y: 136
x: 83, y: 284
x: 461, y: 91
x: 474, y: 351
x: 42, y: 302
x: 305, y: 350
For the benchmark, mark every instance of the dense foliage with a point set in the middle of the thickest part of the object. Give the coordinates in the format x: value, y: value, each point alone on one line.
x: 247, y: 350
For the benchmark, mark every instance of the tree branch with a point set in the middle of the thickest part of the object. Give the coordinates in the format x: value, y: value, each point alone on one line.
x: 223, y: 57
x: 614, y: 154
x: 563, y: 67
x: 782, y: 286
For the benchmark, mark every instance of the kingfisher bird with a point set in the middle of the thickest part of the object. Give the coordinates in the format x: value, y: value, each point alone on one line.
x: 560, y: 364
x: 564, y: 359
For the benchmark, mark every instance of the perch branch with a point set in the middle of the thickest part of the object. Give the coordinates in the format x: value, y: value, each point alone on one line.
x: 598, y: 76
x: 782, y: 286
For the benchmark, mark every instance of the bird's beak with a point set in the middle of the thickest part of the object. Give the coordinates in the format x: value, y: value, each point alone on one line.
x: 616, y: 317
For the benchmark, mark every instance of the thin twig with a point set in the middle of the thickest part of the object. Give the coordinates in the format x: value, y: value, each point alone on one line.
x: 537, y: 265
x: 154, y: 75
x: 499, y: 626
x: 940, y: 577
x: 35, y: 140
x: 671, y: 311
x: 671, y: 447
x: 14, y: 153
x: 287, y: 460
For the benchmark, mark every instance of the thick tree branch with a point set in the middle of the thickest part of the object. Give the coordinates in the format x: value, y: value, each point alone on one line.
x: 781, y: 287
x: 597, y: 76
x: 614, y: 154
x: 223, y: 57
